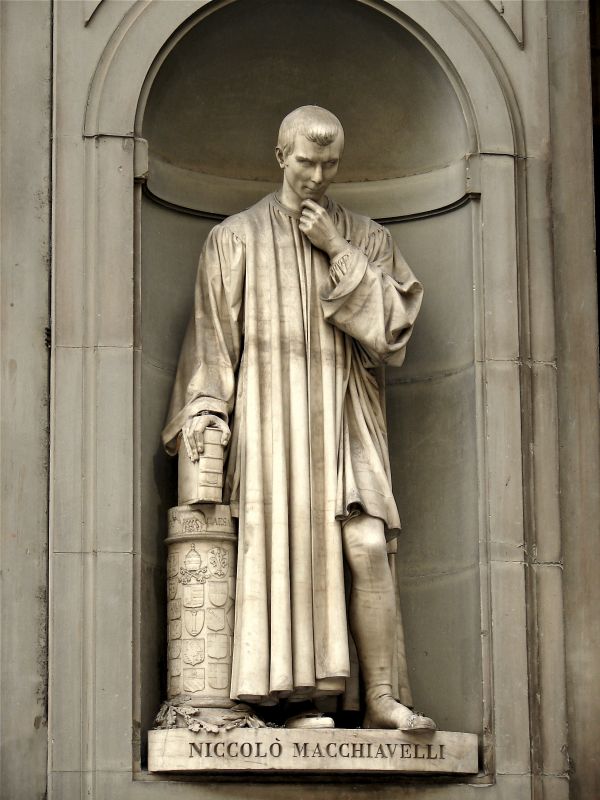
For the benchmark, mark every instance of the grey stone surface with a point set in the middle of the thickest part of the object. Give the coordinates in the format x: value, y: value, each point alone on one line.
x: 509, y: 661
x: 514, y: 100
x: 432, y: 432
x: 114, y: 390
x: 442, y: 618
x: 67, y: 489
x: 67, y: 623
x: 440, y: 248
x: 577, y: 364
x: 239, y: 133
x: 25, y: 63
x: 504, y: 452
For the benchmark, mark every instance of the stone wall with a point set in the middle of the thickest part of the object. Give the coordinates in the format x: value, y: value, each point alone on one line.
x: 493, y: 422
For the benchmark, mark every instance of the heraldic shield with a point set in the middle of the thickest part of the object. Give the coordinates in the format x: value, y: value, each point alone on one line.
x: 215, y: 619
x: 217, y: 592
x: 193, y: 680
x: 193, y: 651
x: 175, y: 629
x: 193, y: 596
x: 174, y: 685
x: 218, y: 675
x: 194, y: 620
x: 172, y: 584
x: 218, y: 645
x: 174, y: 649
x: 174, y: 609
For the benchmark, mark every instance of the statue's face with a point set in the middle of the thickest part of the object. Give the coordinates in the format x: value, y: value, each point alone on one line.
x: 309, y: 168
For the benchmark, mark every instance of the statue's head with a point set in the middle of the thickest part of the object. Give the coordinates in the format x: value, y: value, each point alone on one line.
x: 309, y: 149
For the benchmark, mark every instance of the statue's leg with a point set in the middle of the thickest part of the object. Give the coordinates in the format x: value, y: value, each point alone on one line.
x: 372, y: 622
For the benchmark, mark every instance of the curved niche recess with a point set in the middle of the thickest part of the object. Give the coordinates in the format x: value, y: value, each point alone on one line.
x: 213, y: 111
x: 211, y: 121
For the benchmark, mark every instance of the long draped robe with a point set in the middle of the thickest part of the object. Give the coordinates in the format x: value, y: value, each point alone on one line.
x: 287, y: 357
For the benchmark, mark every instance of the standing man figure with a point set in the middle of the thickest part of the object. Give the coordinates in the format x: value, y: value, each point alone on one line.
x: 297, y: 300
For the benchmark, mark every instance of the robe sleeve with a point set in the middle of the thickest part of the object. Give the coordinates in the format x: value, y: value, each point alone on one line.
x: 205, y: 379
x: 374, y: 298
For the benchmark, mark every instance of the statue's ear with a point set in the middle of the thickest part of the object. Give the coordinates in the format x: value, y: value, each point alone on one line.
x: 280, y: 157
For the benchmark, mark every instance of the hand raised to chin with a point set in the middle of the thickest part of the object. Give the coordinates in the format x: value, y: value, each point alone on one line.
x: 317, y: 225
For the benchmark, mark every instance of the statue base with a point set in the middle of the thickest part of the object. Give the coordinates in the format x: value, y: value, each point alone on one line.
x: 335, y: 750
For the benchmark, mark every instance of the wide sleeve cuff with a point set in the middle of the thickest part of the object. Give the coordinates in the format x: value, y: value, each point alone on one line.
x: 346, y: 271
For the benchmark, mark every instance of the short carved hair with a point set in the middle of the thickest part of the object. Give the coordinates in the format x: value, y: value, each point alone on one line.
x: 315, y: 123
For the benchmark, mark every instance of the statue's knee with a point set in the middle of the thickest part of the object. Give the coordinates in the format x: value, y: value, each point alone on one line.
x: 365, y: 549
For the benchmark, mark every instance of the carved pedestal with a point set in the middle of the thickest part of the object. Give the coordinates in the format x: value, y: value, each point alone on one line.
x: 201, y: 605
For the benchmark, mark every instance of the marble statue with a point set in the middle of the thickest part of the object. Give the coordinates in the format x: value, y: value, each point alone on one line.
x: 297, y: 302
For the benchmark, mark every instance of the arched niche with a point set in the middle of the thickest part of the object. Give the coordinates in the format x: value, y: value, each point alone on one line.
x: 213, y: 110
x: 210, y: 119
x: 455, y: 430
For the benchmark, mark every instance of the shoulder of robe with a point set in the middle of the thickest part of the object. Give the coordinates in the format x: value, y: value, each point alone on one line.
x: 360, y: 225
x: 230, y: 228
x: 240, y: 225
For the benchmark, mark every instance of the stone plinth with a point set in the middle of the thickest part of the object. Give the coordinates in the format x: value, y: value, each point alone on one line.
x: 339, y: 750
x: 200, y: 607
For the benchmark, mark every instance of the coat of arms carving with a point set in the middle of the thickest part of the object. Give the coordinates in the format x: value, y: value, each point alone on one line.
x: 215, y: 619
x: 193, y: 679
x: 193, y: 596
x: 194, y: 651
x: 174, y: 649
x: 172, y: 588
x: 218, y: 675
x: 218, y: 645
x: 217, y: 592
x: 175, y: 629
x: 194, y: 620
x: 174, y: 609
x: 218, y: 561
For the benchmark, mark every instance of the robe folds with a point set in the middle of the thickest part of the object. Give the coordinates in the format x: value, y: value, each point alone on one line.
x: 287, y: 355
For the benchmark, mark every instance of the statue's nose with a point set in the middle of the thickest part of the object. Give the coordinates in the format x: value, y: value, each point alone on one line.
x: 317, y: 175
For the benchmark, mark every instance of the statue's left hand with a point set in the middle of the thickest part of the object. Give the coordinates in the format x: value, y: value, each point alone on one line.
x: 318, y: 226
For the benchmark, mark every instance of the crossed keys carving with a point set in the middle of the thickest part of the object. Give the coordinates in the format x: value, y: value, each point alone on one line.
x: 193, y: 567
